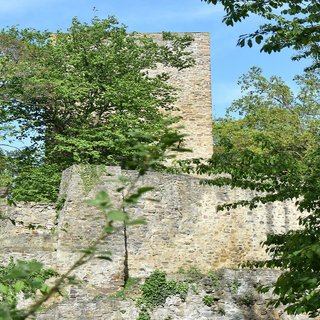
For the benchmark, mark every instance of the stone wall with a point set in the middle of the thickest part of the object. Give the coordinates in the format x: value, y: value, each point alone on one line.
x: 28, y: 231
x: 234, y: 292
x: 183, y: 225
x: 194, y: 97
x: 183, y: 229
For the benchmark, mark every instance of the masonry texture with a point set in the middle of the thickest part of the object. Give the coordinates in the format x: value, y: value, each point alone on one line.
x: 194, y: 97
x: 183, y: 229
x: 235, y: 299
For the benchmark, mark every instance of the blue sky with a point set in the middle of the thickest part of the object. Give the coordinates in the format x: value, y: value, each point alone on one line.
x: 228, y: 60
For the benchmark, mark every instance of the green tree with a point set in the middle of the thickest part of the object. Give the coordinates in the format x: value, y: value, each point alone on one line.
x: 270, y: 111
x: 4, y: 178
x: 88, y: 95
x: 272, y: 145
x: 289, y: 24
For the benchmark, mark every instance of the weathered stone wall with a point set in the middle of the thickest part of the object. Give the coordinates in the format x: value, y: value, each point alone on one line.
x: 235, y: 298
x: 79, y: 224
x: 194, y: 97
x: 183, y: 225
x: 183, y: 230
x: 28, y: 231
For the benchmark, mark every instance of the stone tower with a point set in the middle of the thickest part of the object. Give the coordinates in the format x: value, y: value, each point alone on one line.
x: 194, y: 102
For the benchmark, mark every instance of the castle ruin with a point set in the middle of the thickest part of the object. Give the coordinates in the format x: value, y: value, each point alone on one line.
x: 183, y: 227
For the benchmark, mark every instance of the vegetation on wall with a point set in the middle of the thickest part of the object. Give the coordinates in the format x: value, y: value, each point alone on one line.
x: 156, y: 289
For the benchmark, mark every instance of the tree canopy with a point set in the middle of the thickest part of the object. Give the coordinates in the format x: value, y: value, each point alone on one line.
x: 288, y: 24
x: 87, y: 95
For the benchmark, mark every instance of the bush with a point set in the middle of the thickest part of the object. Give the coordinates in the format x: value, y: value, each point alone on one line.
x: 156, y: 290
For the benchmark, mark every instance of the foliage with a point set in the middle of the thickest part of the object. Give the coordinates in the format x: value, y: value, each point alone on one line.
x: 157, y: 289
x: 272, y: 146
x: 270, y: 113
x: 89, y: 95
x: 193, y: 271
x: 289, y: 24
x: 208, y: 300
x: 215, y: 280
x: 234, y: 285
x: 21, y: 277
x: 246, y: 299
x: 213, y: 296
x: 36, y: 184
x: 297, y: 253
x: 29, y: 177
x: 5, y: 177
x: 269, y: 147
x: 144, y: 315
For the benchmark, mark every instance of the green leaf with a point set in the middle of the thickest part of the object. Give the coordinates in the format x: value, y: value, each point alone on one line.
x: 4, y: 289
x: 134, y: 198
x: 104, y: 258
x: 136, y: 222
x: 258, y: 39
x: 44, y: 289
x: 144, y: 190
x: 108, y: 229
x: 18, y: 286
x: 101, y: 200
x: 117, y: 215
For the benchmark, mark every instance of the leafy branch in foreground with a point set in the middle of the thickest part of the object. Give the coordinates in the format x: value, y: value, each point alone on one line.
x: 289, y: 24
x: 21, y: 277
